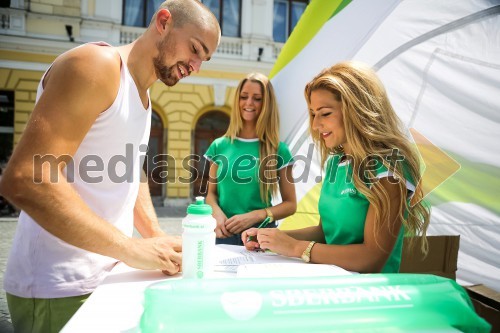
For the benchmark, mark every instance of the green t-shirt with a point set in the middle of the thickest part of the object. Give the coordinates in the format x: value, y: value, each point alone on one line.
x: 238, y: 173
x: 343, y: 208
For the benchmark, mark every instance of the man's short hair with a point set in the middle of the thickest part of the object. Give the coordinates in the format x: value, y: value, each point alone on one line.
x: 184, y: 11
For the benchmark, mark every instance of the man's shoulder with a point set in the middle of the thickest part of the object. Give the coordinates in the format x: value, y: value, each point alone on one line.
x: 88, y: 74
x: 91, y: 59
x: 93, y: 51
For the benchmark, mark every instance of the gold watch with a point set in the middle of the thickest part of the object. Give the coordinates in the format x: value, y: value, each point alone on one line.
x: 269, y: 214
x: 306, y: 255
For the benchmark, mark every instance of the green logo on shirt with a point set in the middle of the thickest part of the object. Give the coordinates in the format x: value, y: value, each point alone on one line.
x: 348, y: 191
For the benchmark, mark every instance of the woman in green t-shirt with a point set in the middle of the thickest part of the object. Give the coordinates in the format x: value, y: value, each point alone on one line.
x: 249, y: 164
x: 369, y: 197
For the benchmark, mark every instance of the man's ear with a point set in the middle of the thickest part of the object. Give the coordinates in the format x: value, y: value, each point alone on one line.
x: 163, y: 20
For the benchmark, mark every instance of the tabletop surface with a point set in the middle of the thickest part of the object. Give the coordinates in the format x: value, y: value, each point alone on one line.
x: 117, y: 303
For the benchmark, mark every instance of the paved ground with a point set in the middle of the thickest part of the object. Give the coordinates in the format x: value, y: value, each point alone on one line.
x: 170, y: 221
x: 7, y: 228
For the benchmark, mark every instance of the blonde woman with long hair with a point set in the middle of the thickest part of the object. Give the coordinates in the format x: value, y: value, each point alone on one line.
x: 249, y: 164
x: 369, y: 198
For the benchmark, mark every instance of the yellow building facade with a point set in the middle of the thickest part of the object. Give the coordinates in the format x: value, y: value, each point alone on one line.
x: 186, y: 117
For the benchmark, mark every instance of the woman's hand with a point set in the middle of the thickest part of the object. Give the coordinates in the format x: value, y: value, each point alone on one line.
x: 249, y: 239
x: 278, y: 242
x: 220, y: 228
x: 239, y: 223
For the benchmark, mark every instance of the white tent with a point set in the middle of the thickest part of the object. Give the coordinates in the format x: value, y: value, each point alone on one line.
x: 440, y: 63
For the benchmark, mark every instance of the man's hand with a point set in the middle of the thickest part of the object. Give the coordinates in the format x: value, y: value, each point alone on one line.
x: 163, y: 253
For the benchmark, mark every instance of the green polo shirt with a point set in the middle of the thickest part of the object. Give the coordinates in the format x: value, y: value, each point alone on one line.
x: 343, y: 208
x: 238, y: 173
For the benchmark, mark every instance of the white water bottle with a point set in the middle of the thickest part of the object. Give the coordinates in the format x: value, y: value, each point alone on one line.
x: 198, y: 240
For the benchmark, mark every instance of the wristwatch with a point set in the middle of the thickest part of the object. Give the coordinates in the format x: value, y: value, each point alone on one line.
x: 269, y: 214
x: 306, y: 255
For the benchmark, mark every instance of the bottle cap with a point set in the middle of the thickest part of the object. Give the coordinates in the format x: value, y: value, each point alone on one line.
x: 199, y: 207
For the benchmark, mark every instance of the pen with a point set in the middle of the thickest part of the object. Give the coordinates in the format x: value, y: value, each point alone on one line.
x: 262, y: 225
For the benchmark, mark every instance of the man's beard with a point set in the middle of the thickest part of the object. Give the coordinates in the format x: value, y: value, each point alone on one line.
x: 167, y: 75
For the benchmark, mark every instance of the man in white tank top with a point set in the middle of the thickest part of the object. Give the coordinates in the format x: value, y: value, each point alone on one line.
x: 93, y: 110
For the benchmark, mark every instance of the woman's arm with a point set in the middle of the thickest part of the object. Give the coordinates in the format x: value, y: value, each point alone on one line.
x: 370, y: 256
x: 314, y: 233
x: 288, y: 205
x: 213, y: 200
x: 238, y: 223
x: 287, y: 242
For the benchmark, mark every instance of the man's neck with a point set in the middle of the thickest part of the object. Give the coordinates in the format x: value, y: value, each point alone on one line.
x: 135, y: 56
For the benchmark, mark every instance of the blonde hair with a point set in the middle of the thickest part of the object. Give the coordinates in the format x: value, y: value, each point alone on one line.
x: 372, y: 130
x: 267, y: 129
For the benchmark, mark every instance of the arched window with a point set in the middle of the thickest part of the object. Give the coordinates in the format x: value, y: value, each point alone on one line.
x: 209, y: 127
x: 6, y: 125
x: 155, y: 166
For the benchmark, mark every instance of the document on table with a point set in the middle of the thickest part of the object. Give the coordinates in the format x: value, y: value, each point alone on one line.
x: 289, y: 270
x: 232, y: 256
x: 237, y: 259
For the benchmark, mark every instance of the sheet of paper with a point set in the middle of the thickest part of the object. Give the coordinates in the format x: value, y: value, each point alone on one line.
x: 288, y: 269
x: 232, y: 256
x: 237, y: 259
x: 226, y: 268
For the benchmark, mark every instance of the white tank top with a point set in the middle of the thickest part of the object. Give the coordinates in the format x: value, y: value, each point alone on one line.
x: 41, y: 265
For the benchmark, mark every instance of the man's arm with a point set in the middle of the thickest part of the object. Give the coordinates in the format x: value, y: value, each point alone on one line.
x: 81, y: 84
x: 145, y: 219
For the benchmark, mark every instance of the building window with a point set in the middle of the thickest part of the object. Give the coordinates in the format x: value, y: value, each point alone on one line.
x: 286, y: 15
x: 228, y: 13
x: 209, y: 127
x: 138, y: 13
x: 156, y: 165
x: 6, y: 125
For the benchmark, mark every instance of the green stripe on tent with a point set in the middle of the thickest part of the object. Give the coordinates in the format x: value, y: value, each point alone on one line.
x: 475, y: 183
x: 317, y: 13
x: 340, y: 7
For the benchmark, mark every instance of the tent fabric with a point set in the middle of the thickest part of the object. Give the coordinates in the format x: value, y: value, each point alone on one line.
x: 440, y: 64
